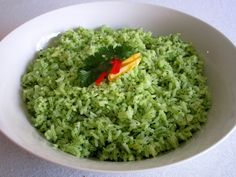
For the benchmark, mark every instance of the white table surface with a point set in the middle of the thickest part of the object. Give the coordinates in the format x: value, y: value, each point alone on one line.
x: 218, y: 162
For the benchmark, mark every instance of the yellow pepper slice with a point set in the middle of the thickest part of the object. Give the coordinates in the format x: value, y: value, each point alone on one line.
x: 127, y: 65
x: 131, y: 59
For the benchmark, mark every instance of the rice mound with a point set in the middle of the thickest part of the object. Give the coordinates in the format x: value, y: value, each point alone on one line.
x: 150, y: 110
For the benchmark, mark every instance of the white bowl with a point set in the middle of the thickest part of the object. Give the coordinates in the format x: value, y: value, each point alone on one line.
x: 19, y: 47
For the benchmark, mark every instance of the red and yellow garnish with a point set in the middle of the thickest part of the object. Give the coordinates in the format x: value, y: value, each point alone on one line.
x: 126, y: 66
x: 120, y: 67
x: 108, y: 62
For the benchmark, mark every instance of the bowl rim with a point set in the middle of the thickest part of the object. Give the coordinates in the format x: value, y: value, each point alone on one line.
x: 145, y: 169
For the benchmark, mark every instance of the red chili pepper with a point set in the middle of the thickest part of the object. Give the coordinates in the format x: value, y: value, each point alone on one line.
x: 116, y: 65
x: 100, y: 78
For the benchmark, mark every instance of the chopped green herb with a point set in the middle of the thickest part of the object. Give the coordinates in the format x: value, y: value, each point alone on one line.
x: 149, y: 110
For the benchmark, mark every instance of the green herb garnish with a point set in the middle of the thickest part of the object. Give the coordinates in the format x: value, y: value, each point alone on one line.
x: 100, y: 62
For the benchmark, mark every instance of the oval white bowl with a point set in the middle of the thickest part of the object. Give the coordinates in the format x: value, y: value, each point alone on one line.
x: 19, y: 47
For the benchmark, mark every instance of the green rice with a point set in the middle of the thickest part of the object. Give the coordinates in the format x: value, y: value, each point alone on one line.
x: 147, y: 111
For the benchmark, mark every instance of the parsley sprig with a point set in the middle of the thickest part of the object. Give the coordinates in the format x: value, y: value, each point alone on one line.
x: 100, y: 62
